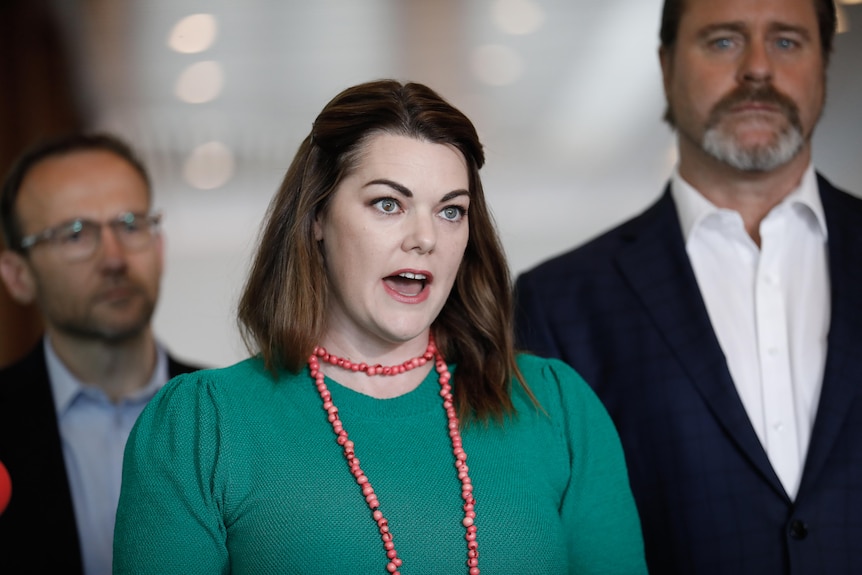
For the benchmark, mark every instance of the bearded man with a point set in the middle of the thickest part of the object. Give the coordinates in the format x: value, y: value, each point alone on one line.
x: 722, y: 327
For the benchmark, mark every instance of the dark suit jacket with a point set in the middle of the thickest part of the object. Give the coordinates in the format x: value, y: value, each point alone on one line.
x: 38, y: 533
x: 625, y: 311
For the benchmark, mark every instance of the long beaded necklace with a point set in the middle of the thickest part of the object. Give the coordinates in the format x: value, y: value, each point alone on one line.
x: 431, y: 353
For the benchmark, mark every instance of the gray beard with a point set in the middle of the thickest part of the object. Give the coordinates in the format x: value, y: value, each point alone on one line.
x: 725, y: 148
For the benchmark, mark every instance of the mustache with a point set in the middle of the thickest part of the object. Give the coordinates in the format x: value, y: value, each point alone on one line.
x: 762, y: 94
x: 114, y: 280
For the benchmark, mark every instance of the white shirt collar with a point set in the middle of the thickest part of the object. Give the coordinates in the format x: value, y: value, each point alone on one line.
x: 692, y: 207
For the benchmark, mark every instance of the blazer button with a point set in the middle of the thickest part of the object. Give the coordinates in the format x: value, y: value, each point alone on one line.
x: 798, y: 529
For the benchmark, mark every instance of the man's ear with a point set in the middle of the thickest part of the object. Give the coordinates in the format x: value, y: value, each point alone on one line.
x: 665, y: 58
x: 17, y: 276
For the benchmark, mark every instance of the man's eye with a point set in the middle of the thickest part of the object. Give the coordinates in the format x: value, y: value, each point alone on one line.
x: 70, y: 238
x: 786, y: 43
x: 386, y: 205
x: 74, y: 233
x: 722, y: 43
x: 130, y: 226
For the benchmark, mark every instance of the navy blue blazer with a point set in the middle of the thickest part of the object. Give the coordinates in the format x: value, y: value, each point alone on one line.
x: 38, y: 533
x: 625, y: 311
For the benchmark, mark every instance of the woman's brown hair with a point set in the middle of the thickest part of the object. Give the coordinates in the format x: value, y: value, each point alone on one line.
x: 282, y: 308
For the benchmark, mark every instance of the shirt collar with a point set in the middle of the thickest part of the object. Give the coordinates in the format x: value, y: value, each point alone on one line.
x: 66, y: 387
x: 692, y: 207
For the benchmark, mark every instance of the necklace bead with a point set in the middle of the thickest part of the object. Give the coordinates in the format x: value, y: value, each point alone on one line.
x: 377, y: 369
x: 348, y: 447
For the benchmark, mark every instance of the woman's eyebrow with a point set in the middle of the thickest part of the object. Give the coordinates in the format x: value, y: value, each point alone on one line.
x: 403, y: 190
x: 454, y: 194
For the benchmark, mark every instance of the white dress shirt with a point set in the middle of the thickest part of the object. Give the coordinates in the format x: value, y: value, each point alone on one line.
x: 770, y: 308
x: 93, y: 431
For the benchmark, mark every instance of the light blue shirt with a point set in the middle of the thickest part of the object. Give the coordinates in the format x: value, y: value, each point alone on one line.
x: 93, y: 432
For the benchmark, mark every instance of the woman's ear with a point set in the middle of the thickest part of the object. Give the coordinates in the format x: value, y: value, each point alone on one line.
x: 318, y: 228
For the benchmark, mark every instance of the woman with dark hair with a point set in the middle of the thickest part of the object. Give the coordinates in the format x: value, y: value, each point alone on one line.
x: 379, y: 314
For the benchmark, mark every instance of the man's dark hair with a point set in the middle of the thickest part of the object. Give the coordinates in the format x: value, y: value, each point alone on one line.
x: 77, y: 142
x: 826, y: 17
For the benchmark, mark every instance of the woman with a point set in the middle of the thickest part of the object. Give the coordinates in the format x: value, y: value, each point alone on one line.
x: 384, y: 424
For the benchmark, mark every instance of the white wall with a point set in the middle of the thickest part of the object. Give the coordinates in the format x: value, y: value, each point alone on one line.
x: 574, y: 142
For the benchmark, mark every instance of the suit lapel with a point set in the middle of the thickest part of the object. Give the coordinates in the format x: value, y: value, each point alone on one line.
x: 656, y: 266
x: 843, y: 372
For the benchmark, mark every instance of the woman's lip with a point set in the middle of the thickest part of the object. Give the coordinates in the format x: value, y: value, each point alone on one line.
x: 410, y: 299
x: 407, y: 298
x: 428, y: 277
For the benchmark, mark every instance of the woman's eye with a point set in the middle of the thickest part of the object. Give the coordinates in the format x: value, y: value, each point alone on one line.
x: 386, y: 205
x: 453, y: 213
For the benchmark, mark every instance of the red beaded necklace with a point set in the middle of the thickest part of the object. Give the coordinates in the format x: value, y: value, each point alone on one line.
x: 353, y: 462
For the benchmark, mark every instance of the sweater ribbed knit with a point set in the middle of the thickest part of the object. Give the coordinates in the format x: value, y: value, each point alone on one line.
x: 235, y: 471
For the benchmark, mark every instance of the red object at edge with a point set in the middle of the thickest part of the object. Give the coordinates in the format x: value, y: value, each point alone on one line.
x: 5, y: 488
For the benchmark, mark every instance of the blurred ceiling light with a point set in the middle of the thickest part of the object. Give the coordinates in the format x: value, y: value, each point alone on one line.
x: 201, y: 82
x: 518, y: 16
x: 193, y: 33
x: 497, y: 65
x: 843, y: 21
x: 209, y: 166
x: 851, y: 2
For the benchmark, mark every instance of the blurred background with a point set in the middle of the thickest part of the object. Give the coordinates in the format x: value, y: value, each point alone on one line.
x: 217, y: 95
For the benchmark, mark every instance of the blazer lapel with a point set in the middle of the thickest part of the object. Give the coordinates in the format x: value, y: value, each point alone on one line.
x: 843, y: 372
x: 657, y: 267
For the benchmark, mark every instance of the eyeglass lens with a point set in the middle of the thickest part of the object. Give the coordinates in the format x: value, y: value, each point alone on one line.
x: 79, y: 239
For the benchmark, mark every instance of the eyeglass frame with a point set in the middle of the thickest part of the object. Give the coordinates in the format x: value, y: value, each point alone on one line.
x: 152, y: 221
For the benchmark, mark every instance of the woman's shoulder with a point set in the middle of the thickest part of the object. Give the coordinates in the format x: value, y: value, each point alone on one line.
x: 242, y: 378
x: 534, y: 367
x: 249, y: 367
x: 209, y: 394
x: 556, y: 385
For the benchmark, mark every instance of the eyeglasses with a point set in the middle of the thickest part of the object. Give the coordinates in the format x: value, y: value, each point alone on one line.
x: 79, y: 239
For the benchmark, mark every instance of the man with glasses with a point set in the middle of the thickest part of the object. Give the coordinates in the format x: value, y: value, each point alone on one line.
x: 83, y: 243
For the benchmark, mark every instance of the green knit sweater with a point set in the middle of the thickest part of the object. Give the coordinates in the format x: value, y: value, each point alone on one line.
x: 234, y: 471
